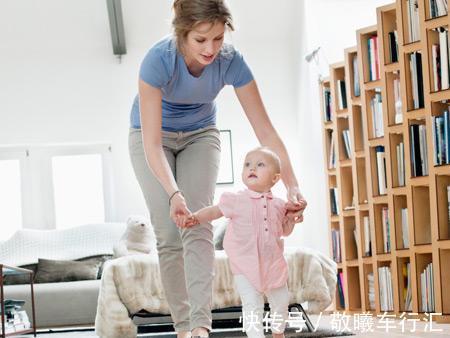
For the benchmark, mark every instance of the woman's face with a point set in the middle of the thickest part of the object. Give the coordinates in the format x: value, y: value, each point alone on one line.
x: 204, y: 42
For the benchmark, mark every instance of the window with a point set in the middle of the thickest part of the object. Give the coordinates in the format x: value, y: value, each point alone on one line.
x: 10, y: 197
x: 55, y: 186
x: 78, y: 190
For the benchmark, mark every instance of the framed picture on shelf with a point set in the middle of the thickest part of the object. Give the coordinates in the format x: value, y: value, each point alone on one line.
x: 226, y: 173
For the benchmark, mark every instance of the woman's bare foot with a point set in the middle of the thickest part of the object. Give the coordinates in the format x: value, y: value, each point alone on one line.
x: 278, y: 335
x: 200, y: 332
x: 184, y: 334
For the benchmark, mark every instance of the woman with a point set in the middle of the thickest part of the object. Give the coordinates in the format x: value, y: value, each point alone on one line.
x: 175, y: 149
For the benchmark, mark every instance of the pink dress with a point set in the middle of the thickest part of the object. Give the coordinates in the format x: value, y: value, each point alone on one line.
x: 253, y: 238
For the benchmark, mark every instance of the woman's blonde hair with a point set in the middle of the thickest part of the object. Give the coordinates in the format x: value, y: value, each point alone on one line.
x: 189, y: 13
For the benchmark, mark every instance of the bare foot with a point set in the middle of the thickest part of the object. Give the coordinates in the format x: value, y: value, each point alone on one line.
x: 278, y: 335
x: 200, y: 331
x: 184, y: 334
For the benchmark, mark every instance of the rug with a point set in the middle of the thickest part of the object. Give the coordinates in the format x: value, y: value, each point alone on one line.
x: 214, y: 334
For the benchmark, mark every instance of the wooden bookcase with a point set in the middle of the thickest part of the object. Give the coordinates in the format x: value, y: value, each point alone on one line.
x: 356, y: 178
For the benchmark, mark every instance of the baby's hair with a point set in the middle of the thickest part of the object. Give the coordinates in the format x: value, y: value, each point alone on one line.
x: 271, y: 154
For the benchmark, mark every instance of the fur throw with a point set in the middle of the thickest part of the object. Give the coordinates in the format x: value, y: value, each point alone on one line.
x: 132, y: 283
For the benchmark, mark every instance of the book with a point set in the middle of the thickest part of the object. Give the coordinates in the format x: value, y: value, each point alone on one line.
x: 348, y: 147
x: 448, y: 204
x: 381, y: 169
x: 443, y: 49
x: 356, y: 84
x: 397, y: 100
x: 393, y: 46
x: 367, y: 240
x: 405, y: 228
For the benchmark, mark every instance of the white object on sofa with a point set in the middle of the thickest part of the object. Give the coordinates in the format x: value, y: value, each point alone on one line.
x: 27, y: 245
x: 64, y: 303
x: 132, y: 283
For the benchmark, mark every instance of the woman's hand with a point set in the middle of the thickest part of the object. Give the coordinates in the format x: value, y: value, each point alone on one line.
x: 179, y: 211
x: 295, y: 206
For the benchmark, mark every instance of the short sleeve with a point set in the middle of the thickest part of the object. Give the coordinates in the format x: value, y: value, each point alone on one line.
x: 226, y: 204
x: 156, y: 67
x: 238, y: 73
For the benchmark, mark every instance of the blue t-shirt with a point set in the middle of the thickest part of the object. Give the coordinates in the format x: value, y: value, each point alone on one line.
x: 188, y: 101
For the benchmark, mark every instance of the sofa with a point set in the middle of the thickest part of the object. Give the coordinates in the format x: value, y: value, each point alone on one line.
x: 87, y: 251
x: 61, y: 303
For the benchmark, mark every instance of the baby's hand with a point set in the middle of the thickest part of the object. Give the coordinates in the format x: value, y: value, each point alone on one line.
x: 191, y: 221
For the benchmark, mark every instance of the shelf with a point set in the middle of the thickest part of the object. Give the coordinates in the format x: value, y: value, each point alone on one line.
x: 369, y: 287
x: 392, y: 67
x: 394, y: 99
x: 348, y: 212
x: 356, y: 101
x: 440, y: 95
x: 402, y: 240
x: 444, y: 258
x: 395, y: 129
x: 397, y: 147
x: 384, y: 285
x: 399, y: 190
x: 442, y: 198
x: 422, y: 261
x: 382, y: 231
x: 364, y: 226
x: 442, y: 169
x: 363, y: 40
x: 343, y: 127
x: 361, y: 178
x: 436, y: 22
x: 416, y: 114
x: 402, y: 279
x: 411, y: 103
x: 421, y: 214
x: 433, y: 39
x: 347, y: 198
x: 345, y: 163
x: 338, y: 77
x: 386, y: 15
x: 377, y: 169
x: 351, y: 60
x: 380, y: 199
x: 408, y: 216
x: 364, y: 206
x: 354, y: 294
x: 374, y: 98
x: 351, y: 249
x: 360, y: 154
x: 358, y: 129
x: 352, y: 263
x: 411, y: 47
x: 418, y: 181
x: 376, y: 142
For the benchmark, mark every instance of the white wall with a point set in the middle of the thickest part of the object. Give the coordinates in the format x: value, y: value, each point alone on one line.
x: 61, y: 83
x: 331, y: 24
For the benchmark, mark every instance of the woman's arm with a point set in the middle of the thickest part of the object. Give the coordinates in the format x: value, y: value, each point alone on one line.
x: 256, y: 113
x: 150, y: 104
x: 253, y: 106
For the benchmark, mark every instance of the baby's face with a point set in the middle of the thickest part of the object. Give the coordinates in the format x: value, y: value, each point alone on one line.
x: 259, y: 172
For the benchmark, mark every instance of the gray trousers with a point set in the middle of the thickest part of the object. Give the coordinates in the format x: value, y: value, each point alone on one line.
x: 186, y: 256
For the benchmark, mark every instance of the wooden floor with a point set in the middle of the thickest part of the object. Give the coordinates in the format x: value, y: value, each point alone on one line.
x: 359, y: 326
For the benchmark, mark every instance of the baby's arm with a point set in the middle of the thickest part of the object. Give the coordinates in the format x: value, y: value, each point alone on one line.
x: 287, y: 224
x: 204, y: 215
x: 287, y: 227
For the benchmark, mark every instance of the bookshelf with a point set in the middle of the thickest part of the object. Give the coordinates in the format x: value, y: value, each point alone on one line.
x: 389, y: 202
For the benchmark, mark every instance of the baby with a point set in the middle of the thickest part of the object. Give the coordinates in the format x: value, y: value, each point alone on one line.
x: 253, y: 241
